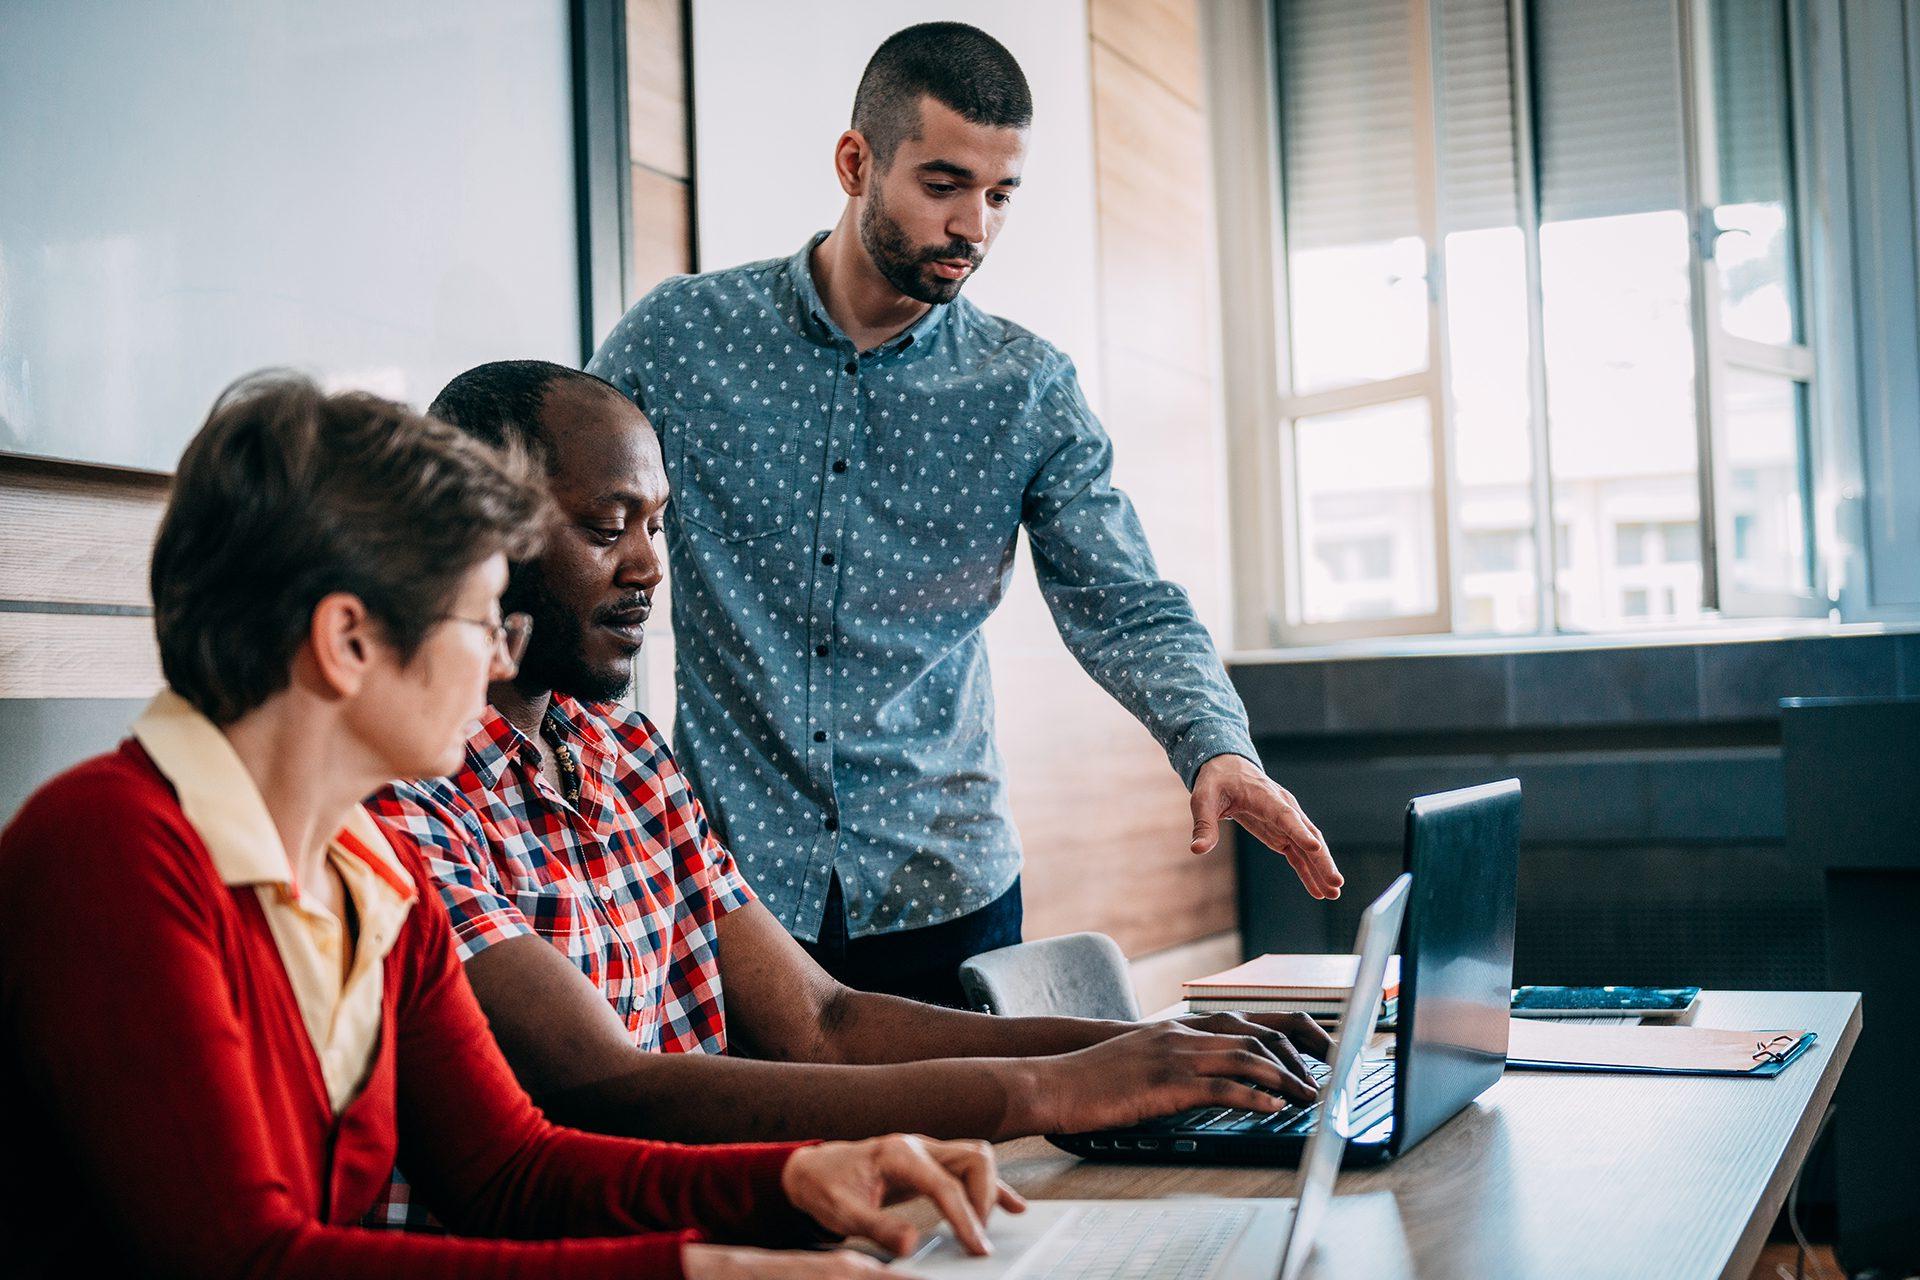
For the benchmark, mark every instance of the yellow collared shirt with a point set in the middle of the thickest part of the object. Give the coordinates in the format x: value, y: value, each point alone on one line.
x: 220, y: 799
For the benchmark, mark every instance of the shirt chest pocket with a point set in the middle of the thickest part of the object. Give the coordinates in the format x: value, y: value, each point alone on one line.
x: 746, y: 489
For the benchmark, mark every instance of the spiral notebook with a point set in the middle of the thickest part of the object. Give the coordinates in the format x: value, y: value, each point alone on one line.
x: 1536, y: 1045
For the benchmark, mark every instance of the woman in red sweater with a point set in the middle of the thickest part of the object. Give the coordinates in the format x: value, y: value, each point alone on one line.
x: 227, y: 1004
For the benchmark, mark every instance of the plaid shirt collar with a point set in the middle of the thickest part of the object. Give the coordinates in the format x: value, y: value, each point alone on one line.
x: 499, y: 741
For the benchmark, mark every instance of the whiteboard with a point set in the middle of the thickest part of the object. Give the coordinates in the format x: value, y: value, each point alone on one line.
x: 380, y: 194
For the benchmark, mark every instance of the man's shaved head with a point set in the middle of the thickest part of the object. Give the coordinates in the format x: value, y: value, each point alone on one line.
x: 959, y: 66
x: 501, y: 402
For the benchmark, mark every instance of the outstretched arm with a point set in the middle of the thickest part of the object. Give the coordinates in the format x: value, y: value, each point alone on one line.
x: 1136, y: 634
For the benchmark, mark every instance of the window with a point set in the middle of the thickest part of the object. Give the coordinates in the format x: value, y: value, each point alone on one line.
x: 1544, y: 361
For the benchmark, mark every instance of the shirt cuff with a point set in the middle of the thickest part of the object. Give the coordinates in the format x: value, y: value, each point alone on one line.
x: 1207, y: 739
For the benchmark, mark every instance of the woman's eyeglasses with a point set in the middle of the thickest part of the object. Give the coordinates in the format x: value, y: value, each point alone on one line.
x: 509, y: 635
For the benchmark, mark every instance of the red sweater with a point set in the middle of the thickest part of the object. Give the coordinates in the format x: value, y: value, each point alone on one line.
x: 169, y: 1116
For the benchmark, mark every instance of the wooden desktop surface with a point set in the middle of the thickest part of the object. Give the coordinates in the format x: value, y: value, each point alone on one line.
x: 1553, y: 1174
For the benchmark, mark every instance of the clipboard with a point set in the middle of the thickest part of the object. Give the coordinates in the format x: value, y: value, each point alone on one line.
x: 1536, y: 1045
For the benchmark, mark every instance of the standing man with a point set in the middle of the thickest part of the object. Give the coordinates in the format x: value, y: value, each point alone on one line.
x: 853, y: 449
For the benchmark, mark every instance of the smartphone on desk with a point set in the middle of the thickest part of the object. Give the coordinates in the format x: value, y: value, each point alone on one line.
x: 1658, y: 1003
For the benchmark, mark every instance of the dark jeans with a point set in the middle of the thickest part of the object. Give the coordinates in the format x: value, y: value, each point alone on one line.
x: 920, y: 964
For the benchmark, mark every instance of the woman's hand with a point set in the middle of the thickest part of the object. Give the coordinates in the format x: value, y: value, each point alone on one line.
x: 847, y: 1186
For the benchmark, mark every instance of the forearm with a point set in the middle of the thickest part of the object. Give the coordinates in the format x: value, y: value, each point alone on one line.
x: 866, y: 1027
x: 704, y: 1098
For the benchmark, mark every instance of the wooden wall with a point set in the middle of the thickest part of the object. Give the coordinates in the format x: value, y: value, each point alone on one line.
x: 659, y: 106
x: 75, y: 618
x: 1104, y: 820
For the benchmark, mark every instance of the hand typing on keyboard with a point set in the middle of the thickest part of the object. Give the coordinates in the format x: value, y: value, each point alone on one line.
x: 1220, y: 1060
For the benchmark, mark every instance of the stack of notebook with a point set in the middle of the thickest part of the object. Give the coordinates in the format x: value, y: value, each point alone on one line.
x: 1311, y: 984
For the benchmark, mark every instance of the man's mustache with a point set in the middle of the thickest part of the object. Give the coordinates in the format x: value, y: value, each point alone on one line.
x: 623, y: 610
x: 954, y: 252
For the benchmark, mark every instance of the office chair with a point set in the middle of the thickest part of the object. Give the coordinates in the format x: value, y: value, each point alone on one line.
x: 1082, y: 975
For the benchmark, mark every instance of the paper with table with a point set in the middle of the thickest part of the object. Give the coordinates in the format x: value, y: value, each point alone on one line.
x: 1534, y: 1044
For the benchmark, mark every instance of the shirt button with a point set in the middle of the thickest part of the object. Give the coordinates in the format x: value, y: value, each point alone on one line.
x: 819, y: 651
x: 852, y: 367
x: 839, y: 465
x: 606, y: 893
x: 832, y: 823
x: 826, y: 558
x: 819, y: 735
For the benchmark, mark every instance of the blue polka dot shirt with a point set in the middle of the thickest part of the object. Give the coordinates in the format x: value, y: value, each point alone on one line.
x: 842, y: 524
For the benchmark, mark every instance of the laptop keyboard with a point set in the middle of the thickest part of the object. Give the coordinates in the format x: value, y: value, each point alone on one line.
x: 1152, y: 1241
x: 1373, y: 1098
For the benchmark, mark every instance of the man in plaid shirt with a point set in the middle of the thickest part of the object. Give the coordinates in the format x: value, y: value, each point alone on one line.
x: 600, y: 921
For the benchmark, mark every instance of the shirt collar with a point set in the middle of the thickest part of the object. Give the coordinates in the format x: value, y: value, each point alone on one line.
x: 817, y: 325
x: 582, y: 729
x: 220, y: 799
x: 494, y: 743
x: 498, y: 740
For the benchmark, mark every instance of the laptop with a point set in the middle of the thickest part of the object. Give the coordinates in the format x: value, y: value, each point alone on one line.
x: 1196, y: 1239
x: 1450, y: 1039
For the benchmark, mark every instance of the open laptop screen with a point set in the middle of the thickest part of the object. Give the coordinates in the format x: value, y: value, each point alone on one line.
x: 1379, y: 930
x: 1456, y: 972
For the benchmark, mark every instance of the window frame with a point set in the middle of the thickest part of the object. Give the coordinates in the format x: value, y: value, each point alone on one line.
x: 1718, y: 353
x: 1428, y: 384
x: 1241, y: 40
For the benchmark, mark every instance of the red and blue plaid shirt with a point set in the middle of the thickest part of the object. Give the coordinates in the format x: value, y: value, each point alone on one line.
x: 628, y: 886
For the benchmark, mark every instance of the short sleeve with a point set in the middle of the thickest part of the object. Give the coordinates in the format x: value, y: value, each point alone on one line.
x: 702, y: 864
x: 448, y: 841
x: 712, y: 871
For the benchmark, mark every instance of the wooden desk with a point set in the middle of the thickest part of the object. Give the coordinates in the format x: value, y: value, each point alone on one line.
x: 1553, y: 1174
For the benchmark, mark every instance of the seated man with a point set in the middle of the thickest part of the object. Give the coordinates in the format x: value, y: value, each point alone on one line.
x: 600, y: 919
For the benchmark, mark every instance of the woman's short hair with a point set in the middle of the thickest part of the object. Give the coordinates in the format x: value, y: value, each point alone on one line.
x: 289, y: 494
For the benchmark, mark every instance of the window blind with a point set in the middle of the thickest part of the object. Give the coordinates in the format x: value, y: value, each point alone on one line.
x: 1347, y: 122
x: 1608, y: 101
x: 1750, y: 100
x: 1478, y: 188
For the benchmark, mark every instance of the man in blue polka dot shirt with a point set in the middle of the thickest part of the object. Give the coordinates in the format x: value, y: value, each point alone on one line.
x: 853, y: 450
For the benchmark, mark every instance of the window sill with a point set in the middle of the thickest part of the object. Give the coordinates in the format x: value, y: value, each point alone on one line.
x: 1722, y: 676
x: 1712, y: 633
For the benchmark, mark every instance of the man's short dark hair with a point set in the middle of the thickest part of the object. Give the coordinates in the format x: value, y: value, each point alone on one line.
x: 958, y: 66
x: 288, y: 495
x: 500, y: 402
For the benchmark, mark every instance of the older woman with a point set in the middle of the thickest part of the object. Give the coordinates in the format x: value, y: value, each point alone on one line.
x: 226, y: 1003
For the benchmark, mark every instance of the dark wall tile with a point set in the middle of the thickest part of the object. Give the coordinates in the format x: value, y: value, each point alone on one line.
x: 1282, y: 697
x: 1907, y: 663
x: 1656, y: 685
x: 1398, y: 695
x: 1746, y: 681
x: 1736, y: 796
x: 1855, y: 666
x: 1741, y: 681
x: 1597, y: 800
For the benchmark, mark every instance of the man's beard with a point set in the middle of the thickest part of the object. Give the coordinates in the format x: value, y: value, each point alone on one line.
x: 555, y: 660
x: 904, y: 266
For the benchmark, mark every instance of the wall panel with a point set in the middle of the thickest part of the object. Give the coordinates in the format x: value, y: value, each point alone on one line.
x: 1105, y: 820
